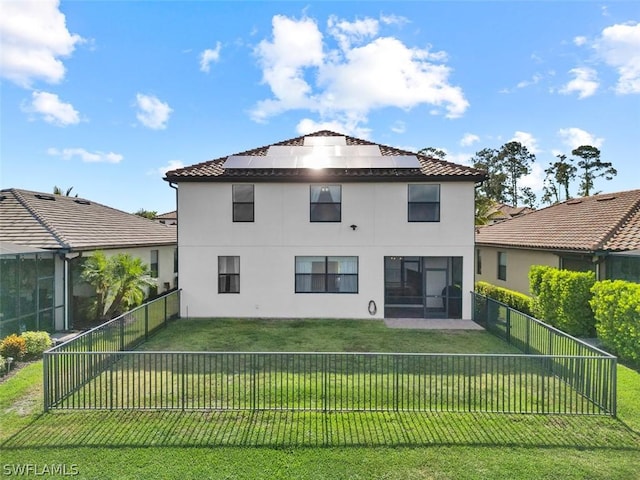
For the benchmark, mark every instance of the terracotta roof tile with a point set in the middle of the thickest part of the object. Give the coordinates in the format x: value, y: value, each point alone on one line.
x: 600, y: 222
x: 429, y: 167
x: 59, y: 222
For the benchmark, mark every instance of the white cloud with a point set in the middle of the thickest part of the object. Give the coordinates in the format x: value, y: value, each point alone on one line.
x: 52, y: 109
x: 210, y: 56
x: 528, y: 140
x: 575, y: 137
x: 392, y: 19
x: 345, y: 83
x: 534, y: 180
x: 307, y: 125
x: 399, y: 127
x: 152, y: 113
x: 619, y: 47
x: 469, y: 139
x: 579, y: 41
x: 533, y: 81
x: 86, y: 156
x: 585, y: 82
x: 172, y: 165
x: 348, y: 33
x: 33, y: 37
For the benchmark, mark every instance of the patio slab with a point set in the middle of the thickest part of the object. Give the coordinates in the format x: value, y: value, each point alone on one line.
x: 432, y: 324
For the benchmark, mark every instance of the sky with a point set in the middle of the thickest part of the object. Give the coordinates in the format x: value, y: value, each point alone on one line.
x: 105, y: 97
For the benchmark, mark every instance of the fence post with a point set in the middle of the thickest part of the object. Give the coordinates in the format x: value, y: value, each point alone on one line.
x: 614, y: 386
x: 45, y: 379
x: 146, y: 323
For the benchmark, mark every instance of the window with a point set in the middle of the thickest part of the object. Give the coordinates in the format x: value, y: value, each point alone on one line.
x: 326, y: 203
x: 326, y: 274
x: 243, y: 203
x: 154, y: 263
x: 228, y: 274
x: 478, y: 262
x: 424, y: 203
x: 502, y: 266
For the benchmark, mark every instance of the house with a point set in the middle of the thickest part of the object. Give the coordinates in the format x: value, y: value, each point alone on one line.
x: 326, y: 225
x: 502, y: 211
x: 599, y: 233
x: 169, y: 218
x: 56, y: 233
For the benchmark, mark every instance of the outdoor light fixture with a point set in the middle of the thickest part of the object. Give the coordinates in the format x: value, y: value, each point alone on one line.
x: 354, y: 227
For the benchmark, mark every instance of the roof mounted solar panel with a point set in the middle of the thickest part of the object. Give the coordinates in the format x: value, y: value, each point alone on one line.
x: 406, y: 161
x: 325, y: 141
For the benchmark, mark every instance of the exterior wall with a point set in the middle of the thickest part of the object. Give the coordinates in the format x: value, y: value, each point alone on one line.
x: 165, y: 262
x: 518, y: 264
x: 267, y: 247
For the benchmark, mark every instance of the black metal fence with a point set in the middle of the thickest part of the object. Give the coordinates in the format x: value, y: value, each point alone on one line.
x: 595, y: 380
x: 95, y: 372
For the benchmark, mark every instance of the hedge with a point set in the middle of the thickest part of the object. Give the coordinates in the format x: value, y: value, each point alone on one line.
x: 516, y: 300
x: 561, y: 298
x: 616, y: 306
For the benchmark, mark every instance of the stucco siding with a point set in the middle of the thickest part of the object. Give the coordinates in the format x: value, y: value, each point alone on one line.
x: 519, y: 261
x: 267, y: 247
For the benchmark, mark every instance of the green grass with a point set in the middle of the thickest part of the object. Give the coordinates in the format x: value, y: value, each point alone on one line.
x: 317, y: 335
x: 307, y: 445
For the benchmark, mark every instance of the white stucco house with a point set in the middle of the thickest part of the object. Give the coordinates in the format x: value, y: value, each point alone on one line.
x: 326, y: 226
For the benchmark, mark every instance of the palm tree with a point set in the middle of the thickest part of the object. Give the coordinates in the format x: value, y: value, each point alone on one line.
x: 120, y: 281
x: 58, y: 191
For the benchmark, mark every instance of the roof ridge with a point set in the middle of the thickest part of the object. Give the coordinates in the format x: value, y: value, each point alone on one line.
x: 40, y: 218
x: 623, y: 221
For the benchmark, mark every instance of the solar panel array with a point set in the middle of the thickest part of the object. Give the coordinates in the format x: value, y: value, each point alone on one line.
x: 322, y: 152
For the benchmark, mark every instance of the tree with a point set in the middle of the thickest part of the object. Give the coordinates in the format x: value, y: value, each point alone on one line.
x: 120, y: 283
x: 515, y: 161
x: 592, y: 167
x: 433, y: 153
x: 493, y: 187
x: 150, y: 214
x: 485, y: 209
x: 558, y: 177
x: 58, y: 191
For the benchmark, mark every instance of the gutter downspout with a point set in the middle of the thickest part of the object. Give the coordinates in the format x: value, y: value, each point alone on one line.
x: 175, y: 187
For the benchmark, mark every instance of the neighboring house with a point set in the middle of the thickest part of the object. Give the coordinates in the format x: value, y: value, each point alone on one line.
x: 169, y: 218
x: 502, y: 211
x: 326, y: 226
x: 31, y: 292
x: 73, y: 228
x: 599, y: 233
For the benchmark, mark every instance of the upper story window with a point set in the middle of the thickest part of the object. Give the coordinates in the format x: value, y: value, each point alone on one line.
x: 326, y: 203
x: 326, y: 274
x: 154, y: 263
x: 243, y: 203
x: 229, y: 274
x: 424, y: 203
x: 502, y: 266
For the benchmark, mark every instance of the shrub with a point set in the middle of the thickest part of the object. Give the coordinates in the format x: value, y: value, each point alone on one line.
x: 3, y: 365
x: 561, y: 298
x: 616, y: 306
x: 36, y: 343
x: 13, y: 346
x: 516, y: 300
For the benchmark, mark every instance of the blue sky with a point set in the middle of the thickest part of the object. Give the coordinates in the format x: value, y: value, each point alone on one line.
x: 104, y: 97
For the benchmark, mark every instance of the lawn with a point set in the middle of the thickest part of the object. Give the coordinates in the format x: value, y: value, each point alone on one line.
x: 308, y: 445
x: 317, y: 335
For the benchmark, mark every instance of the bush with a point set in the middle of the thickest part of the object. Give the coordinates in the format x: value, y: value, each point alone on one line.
x: 36, y: 343
x: 616, y: 307
x: 13, y: 346
x: 516, y: 300
x: 561, y: 298
x: 3, y: 365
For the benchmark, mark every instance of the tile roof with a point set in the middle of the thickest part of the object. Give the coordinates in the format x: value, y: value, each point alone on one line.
x: 58, y: 222
x: 608, y: 222
x: 429, y: 167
